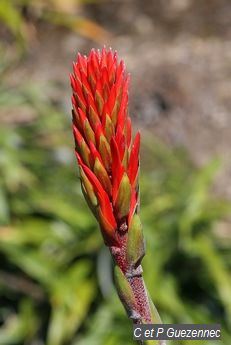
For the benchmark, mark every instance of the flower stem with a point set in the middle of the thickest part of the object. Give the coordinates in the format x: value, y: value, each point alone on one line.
x: 131, y: 287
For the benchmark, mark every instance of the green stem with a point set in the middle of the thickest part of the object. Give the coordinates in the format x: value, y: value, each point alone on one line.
x: 128, y: 276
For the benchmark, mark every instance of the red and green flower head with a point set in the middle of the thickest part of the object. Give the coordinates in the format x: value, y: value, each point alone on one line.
x: 109, y: 166
x: 108, y: 158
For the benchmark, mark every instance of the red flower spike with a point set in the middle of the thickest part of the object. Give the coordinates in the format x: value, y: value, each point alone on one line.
x: 102, y: 131
x: 109, y: 171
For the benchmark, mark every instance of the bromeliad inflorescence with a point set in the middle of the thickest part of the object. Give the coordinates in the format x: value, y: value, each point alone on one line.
x: 109, y: 167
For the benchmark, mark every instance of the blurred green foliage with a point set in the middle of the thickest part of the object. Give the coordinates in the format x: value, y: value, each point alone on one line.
x: 56, y: 284
x: 20, y: 18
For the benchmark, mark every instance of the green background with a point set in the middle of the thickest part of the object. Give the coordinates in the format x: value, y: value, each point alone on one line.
x: 56, y: 284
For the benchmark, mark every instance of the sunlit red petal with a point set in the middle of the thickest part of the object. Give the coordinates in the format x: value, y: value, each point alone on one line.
x: 134, y: 159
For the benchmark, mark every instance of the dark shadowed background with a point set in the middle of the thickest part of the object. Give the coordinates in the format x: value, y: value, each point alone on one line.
x: 56, y: 285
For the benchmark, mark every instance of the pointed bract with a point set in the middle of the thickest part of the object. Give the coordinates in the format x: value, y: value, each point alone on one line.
x: 135, y: 245
x: 103, y: 177
x: 89, y: 190
x: 124, y: 290
x: 123, y: 198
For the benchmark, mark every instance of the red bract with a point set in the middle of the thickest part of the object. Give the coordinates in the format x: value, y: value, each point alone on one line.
x: 107, y: 158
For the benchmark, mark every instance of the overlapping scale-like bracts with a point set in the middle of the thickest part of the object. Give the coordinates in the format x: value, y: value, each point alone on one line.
x: 107, y: 157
